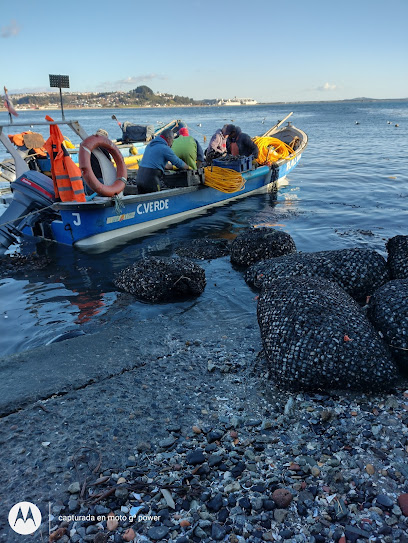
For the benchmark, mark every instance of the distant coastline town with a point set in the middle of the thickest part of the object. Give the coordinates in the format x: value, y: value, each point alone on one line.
x: 142, y: 96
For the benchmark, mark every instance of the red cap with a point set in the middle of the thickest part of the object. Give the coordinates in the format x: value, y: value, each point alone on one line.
x: 183, y: 131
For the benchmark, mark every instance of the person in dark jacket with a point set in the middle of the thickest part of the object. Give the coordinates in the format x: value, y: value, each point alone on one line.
x: 241, y: 144
x: 155, y: 160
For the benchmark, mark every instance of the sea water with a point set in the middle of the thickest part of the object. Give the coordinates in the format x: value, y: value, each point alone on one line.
x: 350, y: 189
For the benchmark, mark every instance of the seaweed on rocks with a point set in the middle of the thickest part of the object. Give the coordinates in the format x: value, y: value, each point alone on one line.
x: 315, y: 336
x: 397, y: 248
x: 358, y: 271
x: 257, y: 244
x: 203, y: 248
x: 162, y: 279
x: 388, y: 311
x: 18, y: 262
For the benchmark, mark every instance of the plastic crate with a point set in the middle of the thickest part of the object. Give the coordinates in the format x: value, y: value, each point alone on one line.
x: 237, y: 163
x: 184, y: 178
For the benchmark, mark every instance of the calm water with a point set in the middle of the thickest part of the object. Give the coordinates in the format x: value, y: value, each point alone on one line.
x: 349, y: 190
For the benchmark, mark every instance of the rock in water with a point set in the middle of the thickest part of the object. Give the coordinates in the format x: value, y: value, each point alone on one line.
x: 162, y: 279
x: 358, y: 271
x: 397, y: 248
x: 204, y: 248
x: 388, y: 311
x: 316, y: 336
x: 257, y: 244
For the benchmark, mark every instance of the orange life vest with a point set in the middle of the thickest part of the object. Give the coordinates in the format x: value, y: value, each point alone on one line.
x: 66, y: 175
x: 18, y: 140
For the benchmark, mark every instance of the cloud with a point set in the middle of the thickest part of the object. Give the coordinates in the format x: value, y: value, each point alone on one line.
x: 32, y: 90
x: 11, y: 30
x: 327, y: 87
x: 129, y: 81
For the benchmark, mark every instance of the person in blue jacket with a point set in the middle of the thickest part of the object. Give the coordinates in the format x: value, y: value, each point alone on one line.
x: 155, y: 160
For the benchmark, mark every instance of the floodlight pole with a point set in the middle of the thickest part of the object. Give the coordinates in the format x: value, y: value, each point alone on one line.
x: 60, y: 81
x: 62, y: 107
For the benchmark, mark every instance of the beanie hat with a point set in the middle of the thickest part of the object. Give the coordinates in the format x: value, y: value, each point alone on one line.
x: 102, y: 132
x: 228, y: 129
x: 183, y: 131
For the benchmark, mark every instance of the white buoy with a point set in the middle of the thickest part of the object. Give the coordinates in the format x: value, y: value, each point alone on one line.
x: 357, y: 122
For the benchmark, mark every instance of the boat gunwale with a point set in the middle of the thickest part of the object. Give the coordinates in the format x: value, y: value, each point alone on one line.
x: 105, y: 201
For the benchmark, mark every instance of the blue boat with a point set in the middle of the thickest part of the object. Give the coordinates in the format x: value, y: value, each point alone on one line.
x: 92, y: 224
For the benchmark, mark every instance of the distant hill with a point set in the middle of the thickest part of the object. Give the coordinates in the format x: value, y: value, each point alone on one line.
x: 142, y: 96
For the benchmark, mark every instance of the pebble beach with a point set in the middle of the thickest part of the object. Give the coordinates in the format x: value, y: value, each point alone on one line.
x: 196, y: 439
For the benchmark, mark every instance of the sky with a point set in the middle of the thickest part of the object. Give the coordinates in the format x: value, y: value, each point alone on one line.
x: 262, y: 49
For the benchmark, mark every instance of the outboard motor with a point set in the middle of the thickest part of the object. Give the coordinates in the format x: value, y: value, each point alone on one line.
x: 32, y: 191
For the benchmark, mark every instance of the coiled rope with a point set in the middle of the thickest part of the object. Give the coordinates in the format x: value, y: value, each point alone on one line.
x: 272, y: 150
x: 223, y: 179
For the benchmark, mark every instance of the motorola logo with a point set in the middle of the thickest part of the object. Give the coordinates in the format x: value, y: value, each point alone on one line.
x: 24, y: 518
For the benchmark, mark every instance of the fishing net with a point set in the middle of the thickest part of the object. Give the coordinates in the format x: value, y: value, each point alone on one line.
x: 397, y: 248
x: 358, y: 271
x: 162, y: 279
x: 388, y: 311
x: 257, y: 244
x: 203, y: 249
x: 315, y: 336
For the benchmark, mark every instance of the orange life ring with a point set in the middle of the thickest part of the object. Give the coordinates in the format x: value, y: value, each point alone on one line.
x: 84, y: 159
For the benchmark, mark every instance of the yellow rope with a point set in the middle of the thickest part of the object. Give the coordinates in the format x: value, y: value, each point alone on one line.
x: 223, y: 179
x: 272, y: 149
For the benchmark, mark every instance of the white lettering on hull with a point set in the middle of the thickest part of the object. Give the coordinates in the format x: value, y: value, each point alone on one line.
x: 151, y: 207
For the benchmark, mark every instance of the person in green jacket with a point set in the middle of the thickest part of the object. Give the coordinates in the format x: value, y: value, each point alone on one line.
x: 188, y: 149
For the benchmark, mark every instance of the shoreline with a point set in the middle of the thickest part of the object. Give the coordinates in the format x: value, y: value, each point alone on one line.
x: 195, y: 413
x: 314, y: 102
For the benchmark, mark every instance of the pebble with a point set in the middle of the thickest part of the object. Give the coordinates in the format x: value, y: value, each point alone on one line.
x: 129, y: 535
x: 74, y: 488
x: 403, y: 503
x: 282, y: 497
x: 158, y: 532
x: 195, y: 457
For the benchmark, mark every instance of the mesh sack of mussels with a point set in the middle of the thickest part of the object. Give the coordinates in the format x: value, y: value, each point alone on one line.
x: 315, y: 336
x: 397, y: 248
x: 162, y: 279
x: 388, y: 311
x: 358, y: 271
x: 257, y: 244
x: 204, y: 248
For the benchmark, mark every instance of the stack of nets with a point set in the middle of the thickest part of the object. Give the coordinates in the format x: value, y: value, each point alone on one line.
x: 203, y: 248
x: 397, y: 248
x: 315, y: 336
x: 358, y: 271
x: 388, y: 311
x: 257, y: 244
x: 162, y: 279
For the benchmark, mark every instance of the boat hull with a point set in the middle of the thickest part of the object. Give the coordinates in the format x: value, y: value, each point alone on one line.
x: 89, y: 224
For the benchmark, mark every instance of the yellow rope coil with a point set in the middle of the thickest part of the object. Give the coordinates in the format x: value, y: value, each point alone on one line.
x: 223, y: 179
x: 272, y: 149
